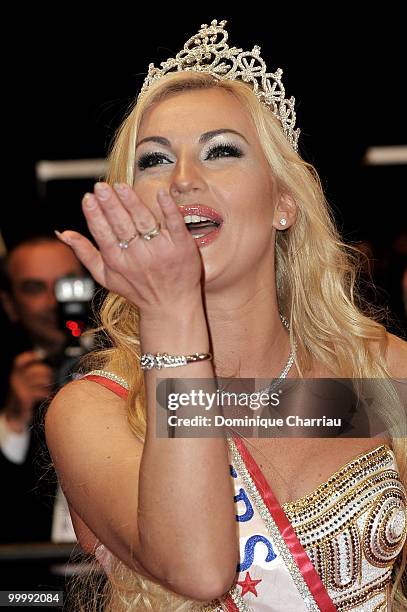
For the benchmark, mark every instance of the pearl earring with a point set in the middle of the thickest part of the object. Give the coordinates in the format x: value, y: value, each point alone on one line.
x: 283, y: 221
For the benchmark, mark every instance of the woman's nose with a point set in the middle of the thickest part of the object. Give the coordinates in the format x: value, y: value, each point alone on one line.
x: 186, y: 177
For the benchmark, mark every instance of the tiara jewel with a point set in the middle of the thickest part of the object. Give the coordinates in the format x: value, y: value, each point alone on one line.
x: 209, y: 52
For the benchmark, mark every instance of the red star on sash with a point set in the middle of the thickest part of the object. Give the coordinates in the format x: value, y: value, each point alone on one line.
x: 248, y: 585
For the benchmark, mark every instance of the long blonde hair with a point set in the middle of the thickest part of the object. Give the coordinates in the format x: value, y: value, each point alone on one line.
x: 316, y: 275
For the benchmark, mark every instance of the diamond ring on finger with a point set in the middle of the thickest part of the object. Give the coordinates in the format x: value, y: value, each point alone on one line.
x: 124, y: 244
x: 152, y: 233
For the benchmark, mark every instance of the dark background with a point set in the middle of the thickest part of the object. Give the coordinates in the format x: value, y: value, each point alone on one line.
x: 71, y: 72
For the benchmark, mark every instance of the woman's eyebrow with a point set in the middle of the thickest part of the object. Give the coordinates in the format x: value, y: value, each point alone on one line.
x: 202, y: 139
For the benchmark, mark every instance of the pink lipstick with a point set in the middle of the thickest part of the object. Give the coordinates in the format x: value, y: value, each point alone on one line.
x: 203, y: 222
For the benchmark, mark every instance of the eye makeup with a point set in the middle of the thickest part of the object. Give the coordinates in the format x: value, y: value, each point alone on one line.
x: 215, y: 151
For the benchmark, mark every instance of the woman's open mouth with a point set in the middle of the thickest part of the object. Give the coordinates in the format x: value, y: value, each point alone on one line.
x: 203, y: 222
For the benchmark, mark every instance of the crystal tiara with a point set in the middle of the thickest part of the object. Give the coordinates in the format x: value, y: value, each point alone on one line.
x: 209, y: 52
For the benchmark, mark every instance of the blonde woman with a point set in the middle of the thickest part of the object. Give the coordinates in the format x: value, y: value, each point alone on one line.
x: 261, y: 286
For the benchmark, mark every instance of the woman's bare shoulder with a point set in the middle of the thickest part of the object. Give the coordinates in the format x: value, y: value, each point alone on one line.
x: 81, y: 398
x: 83, y: 412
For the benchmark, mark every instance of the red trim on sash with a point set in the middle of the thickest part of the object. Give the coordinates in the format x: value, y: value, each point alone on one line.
x: 231, y: 604
x: 108, y: 383
x: 310, y: 575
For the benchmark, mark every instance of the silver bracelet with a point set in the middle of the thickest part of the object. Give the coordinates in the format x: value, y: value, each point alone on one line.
x: 163, y: 360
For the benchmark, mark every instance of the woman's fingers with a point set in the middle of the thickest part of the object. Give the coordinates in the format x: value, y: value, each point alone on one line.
x: 98, y: 225
x: 142, y: 217
x: 120, y: 220
x: 127, y: 214
x: 174, y: 220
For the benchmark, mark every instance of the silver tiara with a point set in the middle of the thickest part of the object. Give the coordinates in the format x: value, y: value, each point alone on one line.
x: 209, y: 52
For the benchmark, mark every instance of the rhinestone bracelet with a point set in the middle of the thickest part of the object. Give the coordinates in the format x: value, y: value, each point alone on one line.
x: 163, y: 360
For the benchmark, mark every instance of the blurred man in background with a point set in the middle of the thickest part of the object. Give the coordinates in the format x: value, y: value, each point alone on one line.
x: 31, y: 356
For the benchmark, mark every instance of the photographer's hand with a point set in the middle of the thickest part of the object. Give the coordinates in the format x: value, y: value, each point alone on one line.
x: 29, y: 383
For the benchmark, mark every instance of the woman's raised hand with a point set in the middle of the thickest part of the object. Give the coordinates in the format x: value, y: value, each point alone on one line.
x: 155, y: 274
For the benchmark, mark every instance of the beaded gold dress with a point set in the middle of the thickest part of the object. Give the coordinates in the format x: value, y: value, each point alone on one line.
x: 333, y: 549
x: 352, y: 528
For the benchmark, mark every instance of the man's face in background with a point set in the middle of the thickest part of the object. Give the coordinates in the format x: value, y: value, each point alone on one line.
x: 33, y: 270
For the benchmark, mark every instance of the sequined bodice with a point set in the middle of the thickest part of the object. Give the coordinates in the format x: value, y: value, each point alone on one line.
x: 352, y: 528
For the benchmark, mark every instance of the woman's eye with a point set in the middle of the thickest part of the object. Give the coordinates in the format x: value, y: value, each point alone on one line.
x: 224, y: 150
x: 149, y: 160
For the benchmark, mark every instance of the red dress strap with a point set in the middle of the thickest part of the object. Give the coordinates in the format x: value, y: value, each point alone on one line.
x: 109, y: 380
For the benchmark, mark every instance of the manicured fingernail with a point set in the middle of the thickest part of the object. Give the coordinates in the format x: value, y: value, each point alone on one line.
x: 89, y: 201
x: 63, y: 238
x: 122, y: 189
x: 102, y: 190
